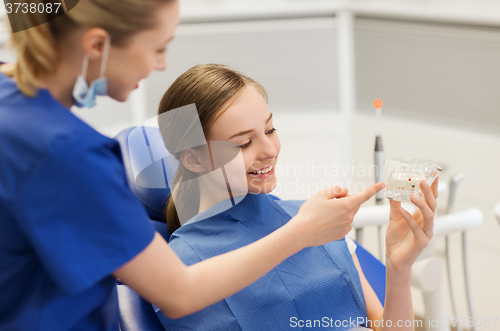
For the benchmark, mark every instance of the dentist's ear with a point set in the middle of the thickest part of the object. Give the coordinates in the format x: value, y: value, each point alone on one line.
x: 93, y: 41
x: 192, y: 160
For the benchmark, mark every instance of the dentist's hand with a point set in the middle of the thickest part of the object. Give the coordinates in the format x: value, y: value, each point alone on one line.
x: 327, y: 215
x: 408, y: 235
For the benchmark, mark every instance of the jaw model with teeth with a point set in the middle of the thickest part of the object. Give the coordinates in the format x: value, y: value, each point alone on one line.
x: 262, y: 171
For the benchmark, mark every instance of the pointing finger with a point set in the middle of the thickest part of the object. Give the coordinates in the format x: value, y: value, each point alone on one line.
x: 363, y: 196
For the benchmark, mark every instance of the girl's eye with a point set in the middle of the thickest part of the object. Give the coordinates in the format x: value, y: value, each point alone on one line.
x: 248, y: 143
x: 161, y: 51
x: 245, y: 145
x: 271, y: 131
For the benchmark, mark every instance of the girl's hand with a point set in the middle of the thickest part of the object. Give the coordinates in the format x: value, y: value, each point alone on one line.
x: 408, y: 235
x: 327, y: 215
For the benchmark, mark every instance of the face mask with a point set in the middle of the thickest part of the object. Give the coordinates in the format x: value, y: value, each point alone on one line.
x: 85, y: 96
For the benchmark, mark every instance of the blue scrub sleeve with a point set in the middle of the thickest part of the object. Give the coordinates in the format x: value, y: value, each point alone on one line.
x: 78, y: 213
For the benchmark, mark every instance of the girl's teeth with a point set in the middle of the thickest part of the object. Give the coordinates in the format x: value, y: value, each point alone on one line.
x: 258, y: 172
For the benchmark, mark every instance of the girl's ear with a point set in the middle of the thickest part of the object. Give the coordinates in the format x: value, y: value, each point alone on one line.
x: 192, y: 161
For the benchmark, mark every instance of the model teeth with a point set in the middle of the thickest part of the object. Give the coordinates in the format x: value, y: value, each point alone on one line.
x: 265, y: 171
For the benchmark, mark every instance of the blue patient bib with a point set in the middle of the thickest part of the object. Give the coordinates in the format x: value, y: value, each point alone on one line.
x: 317, y: 288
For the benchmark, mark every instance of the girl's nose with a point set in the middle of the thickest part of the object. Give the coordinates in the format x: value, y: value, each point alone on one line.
x: 269, y: 149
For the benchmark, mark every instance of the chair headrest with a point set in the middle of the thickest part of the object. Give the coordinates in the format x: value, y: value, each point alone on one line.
x: 148, y: 165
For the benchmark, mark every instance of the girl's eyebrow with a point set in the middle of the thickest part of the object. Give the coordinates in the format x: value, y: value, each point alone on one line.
x: 242, y: 133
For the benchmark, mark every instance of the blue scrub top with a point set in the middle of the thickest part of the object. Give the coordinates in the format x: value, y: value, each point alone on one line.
x: 67, y: 217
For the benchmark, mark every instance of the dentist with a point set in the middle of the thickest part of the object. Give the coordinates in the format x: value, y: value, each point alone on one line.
x: 69, y: 224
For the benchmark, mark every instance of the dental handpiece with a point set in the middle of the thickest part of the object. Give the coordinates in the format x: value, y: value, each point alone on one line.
x: 379, y: 154
x: 379, y: 168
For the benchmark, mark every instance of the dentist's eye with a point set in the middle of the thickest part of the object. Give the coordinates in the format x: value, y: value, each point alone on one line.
x: 245, y: 145
x: 271, y: 131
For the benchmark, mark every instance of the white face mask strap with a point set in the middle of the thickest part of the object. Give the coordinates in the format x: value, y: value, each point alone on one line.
x: 105, y: 55
x: 85, y: 66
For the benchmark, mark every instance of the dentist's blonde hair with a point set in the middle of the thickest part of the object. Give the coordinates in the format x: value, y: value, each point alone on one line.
x: 212, y: 88
x: 39, y: 48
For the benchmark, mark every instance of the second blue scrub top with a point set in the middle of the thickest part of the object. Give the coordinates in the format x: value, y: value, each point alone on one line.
x: 67, y: 217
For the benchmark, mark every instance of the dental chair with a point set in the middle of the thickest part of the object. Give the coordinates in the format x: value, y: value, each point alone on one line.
x: 148, y: 166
